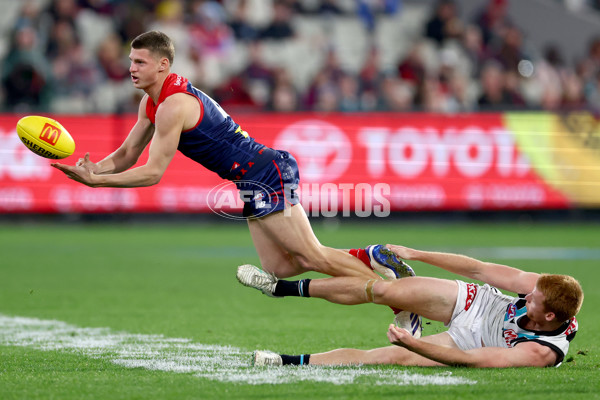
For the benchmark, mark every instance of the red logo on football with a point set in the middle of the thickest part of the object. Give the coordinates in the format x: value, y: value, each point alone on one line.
x: 50, y: 134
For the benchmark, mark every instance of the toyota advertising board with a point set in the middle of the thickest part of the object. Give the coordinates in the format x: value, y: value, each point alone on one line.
x: 350, y: 164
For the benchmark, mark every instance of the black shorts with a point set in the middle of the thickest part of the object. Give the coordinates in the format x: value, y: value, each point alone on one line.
x: 272, y: 188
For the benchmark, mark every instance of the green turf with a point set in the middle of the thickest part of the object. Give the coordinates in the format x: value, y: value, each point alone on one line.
x: 179, y: 281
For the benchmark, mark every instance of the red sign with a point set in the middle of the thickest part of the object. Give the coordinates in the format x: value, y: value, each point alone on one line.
x: 355, y: 164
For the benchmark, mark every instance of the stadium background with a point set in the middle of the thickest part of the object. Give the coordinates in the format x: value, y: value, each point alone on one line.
x: 456, y: 106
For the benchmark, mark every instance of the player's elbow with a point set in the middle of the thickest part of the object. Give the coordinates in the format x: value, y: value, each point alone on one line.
x: 154, y: 179
x: 153, y: 176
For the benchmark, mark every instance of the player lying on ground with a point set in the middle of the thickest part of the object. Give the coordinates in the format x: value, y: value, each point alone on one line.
x: 175, y: 115
x: 485, y: 327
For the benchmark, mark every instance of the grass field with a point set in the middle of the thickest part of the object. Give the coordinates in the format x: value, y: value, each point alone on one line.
x: 142, y: 311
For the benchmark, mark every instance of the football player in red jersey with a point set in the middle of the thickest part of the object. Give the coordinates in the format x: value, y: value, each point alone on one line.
x: 173, y: 115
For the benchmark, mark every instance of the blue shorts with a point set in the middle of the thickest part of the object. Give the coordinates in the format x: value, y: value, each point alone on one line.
x: 272, y: 188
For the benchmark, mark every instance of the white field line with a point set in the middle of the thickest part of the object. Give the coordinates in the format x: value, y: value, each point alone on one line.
x: 220, y: 363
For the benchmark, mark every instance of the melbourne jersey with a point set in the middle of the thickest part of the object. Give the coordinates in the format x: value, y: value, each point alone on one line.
x: 216, y: 142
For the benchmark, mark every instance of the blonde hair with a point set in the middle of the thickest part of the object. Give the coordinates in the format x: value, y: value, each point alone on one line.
x: 563, y: 295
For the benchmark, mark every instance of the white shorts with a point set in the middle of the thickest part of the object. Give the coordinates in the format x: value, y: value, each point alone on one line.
x: 474, y: 303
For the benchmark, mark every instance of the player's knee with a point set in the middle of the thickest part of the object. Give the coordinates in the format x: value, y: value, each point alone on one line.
x: 383, y: 292
x: 283, y: 267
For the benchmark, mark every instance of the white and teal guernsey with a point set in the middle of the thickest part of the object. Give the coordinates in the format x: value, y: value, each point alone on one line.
x: 505, y: 328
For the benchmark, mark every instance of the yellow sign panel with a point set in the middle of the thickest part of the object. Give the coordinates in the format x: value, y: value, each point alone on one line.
x: 563, y: 149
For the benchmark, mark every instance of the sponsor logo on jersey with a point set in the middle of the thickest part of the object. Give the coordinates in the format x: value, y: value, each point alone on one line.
x: 509, y: 336
x: 511, y: 311
x: 572, y: 327
x: 471, y: 293
x: 259, y: 201
x: 178, y: 81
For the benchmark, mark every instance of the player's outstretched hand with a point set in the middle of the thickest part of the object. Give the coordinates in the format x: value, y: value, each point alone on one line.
x: 399, y: 336
x: 87, y: 164
x: 77, y: 173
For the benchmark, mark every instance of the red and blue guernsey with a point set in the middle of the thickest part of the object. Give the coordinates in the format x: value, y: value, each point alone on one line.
x: 216, y: 142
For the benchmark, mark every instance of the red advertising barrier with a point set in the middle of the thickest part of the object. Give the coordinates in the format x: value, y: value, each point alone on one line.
x: 359, y: 164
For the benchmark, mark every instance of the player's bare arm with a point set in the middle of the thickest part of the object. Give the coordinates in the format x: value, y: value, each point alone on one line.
x: 129, y: 152
x: 171, y: 120
x: 528, y: 354
x: 497, y: 275
x: 121, y: 159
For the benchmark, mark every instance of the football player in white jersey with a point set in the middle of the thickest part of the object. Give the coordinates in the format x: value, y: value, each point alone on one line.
x: 485, y: 327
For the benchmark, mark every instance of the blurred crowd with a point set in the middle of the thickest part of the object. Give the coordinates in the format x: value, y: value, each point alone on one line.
x: 72, y: 56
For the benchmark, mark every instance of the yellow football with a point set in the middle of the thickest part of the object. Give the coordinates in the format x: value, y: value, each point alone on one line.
x: 45, y: 137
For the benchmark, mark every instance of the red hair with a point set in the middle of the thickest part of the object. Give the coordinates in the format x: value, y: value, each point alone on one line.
x: 563, y: 295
